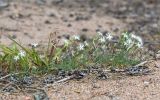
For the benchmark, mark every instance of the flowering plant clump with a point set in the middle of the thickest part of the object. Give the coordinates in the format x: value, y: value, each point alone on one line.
x: 75, y: 53
x: 131, y: 39
x: 102, y: 49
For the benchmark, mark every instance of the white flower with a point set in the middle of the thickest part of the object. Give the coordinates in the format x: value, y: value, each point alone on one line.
x: 125, y: 35
x: 16, y: 58
x: 140, y: 45
x: 102, y: 39
x: 34, y: 45
x: 76, y: 37
x: 86, y: 43
x: 109, y: 37
x: 133, y: 36
x: 100, y: 33
x: 128, y: 42
x: 22, y: 53
x: 66, y: 41
x: 81, y: 46
x: 138, y: 39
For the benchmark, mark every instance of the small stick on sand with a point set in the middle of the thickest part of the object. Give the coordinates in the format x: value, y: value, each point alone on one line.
x: 8, y: 76
x: 62, y: 80
x: 65, y: 79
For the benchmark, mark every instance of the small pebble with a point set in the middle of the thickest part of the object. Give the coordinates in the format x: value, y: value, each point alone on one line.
x: 27, y: 80
x: 49, y: 79
x: 79, y: 74
x: 102, y: 75
x: 71, y: 15
x: 9, y: 89
x: 14, y: 79
x: 146, y: 83
x: 69, y: 25
x: 47, y: 22
x: 84, y: 29
x: 137, y: 70
x: 41, y: 95
x: 51, y: 15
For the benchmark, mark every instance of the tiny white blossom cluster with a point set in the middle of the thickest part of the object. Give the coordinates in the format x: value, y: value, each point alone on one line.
x: 131, y: 39
x: 65, y: 41
x: 20, y: 55
x: 138, y: 39
x: 76, y: 37
x: 104, y: 38
x: 82, y: 46
x: 34, y: 45
x: 86, y: 43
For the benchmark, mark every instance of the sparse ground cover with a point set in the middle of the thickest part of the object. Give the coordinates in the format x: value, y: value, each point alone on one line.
x: 103, y: 61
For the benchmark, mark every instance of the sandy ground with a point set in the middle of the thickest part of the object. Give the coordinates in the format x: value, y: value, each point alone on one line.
x: 29, y: 21
x: 124, y: 88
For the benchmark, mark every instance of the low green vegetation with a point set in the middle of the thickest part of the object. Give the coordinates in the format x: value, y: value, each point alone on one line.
x: 75, y: 54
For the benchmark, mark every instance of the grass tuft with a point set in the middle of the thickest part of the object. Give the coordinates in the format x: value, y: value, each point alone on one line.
x: 102, y: 49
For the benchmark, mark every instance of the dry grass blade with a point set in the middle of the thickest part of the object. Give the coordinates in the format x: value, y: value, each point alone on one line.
x: 60, y: 81
x: 8, y: 76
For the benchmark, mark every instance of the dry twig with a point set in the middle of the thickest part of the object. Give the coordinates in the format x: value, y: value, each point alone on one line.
x: 8, y: 76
